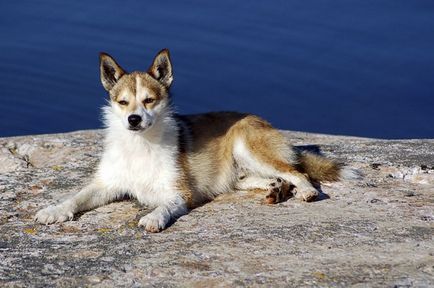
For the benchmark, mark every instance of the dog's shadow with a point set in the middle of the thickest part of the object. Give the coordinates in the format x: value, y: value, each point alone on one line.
x: 308, y: 148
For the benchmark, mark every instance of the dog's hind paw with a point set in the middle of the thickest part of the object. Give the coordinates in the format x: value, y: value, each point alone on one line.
x: 279, y: 190
x: 53, y: 214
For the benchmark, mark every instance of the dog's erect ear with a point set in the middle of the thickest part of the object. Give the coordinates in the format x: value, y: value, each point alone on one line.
x: 111, y: 72
x: 161, y: 68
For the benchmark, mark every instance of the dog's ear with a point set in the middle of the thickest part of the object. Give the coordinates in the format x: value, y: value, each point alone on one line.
x: 161, y: 68
x: 111, y: 72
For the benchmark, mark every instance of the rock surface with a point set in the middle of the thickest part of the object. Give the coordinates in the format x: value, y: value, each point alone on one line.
x: 372, y: 232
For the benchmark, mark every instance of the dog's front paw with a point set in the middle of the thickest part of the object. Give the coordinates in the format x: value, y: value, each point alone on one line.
x: 155, y: 221
x: 53, y: 214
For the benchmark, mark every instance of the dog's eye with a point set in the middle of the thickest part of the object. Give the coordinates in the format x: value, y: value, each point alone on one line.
x: 148, y: 100
x: 123, y: 103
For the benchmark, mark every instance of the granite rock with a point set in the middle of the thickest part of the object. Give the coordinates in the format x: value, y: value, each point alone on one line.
x: 377, y: 231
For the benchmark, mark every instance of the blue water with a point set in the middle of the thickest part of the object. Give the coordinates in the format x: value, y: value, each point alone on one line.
x: 348, y: 67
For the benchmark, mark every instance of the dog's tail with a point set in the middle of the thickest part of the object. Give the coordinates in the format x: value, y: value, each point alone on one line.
x: 320, y: 168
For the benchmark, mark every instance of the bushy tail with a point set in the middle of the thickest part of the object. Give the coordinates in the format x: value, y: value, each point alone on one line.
x: 320, y: 168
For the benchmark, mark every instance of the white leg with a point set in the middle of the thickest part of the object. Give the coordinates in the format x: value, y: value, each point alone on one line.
x: 158, y: 219
x: 91, y: 196
x: 253, y: 182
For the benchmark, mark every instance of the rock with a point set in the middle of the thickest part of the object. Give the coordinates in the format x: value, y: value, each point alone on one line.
x: 372, y: 232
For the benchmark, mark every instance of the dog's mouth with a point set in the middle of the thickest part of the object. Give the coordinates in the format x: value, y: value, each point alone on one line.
x: 143, y: 125
x: 139, y: 128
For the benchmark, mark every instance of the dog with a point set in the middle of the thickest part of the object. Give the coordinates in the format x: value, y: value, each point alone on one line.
x: 175, y: 163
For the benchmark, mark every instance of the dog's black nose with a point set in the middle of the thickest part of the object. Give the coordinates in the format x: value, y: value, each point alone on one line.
x: 134, y: 120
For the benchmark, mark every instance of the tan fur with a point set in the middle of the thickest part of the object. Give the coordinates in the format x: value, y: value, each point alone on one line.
x: 207, y: 155
x: 319, y: 168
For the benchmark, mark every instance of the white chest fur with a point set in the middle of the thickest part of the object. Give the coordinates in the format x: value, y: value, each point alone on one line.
x: 146, y: 170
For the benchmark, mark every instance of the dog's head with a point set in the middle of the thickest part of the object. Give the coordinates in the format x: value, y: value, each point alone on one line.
x: 138, y: 98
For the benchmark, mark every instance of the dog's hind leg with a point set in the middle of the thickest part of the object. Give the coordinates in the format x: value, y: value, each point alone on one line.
x: 93, y: 195
x: 278, y: 189
x: 265, y: 152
